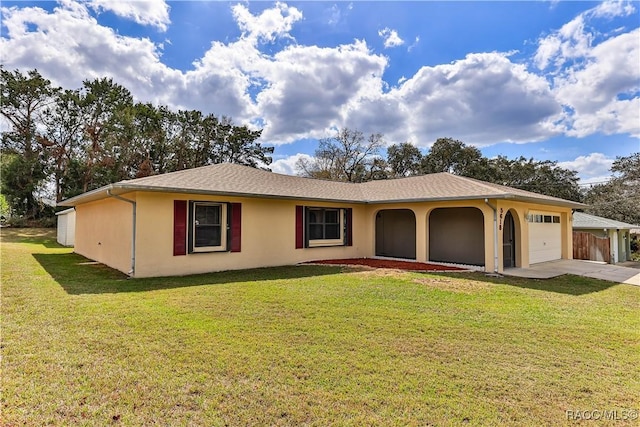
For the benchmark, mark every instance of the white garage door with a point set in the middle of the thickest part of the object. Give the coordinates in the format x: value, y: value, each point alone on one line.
x: 545, y: 237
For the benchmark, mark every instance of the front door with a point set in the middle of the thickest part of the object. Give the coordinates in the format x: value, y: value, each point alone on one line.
x: 508, y: 242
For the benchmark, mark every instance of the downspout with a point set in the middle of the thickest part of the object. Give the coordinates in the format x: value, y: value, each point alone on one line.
x: 495, y: 235
x: 133, y: 238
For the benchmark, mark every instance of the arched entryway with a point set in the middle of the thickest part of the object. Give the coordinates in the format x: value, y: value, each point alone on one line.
x: 508, y: 241
x: 456, y: 235
x: 396, y: 233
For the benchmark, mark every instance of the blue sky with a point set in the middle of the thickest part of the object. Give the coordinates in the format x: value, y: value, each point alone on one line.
x: 549, y: 80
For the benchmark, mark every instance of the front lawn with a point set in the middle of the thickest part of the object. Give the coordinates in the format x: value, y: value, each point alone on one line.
x: 308, y: 345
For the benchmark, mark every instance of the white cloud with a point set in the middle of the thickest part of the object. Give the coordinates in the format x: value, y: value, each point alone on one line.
x: 600, y: 90
x: 573, y: 40
x: 391, y: 38
x: 334, y: 15
x: 55, y: 48
x: 570, y: 42
x: 594, y: 167
x: 147, y: 12
x: 287, y: 165
x: 310, y: 87
x: 414, y: 44
x: 270, y: 24
x: 481, y: 99
x: 612, y: 9
x: 597, y: 84
x: 306, y: 91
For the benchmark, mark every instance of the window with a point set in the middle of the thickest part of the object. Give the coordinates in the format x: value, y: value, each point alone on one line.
x: 208, y: 227
x: 322, y: 227
x: 548, y: 219
x: 324, y: 224
x: 200, y: 226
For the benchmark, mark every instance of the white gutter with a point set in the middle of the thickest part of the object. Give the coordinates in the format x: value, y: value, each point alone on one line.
x: 133, y: 238
x: 495, y: 235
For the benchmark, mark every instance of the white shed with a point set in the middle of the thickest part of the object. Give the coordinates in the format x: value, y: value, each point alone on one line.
x: 66, y: 226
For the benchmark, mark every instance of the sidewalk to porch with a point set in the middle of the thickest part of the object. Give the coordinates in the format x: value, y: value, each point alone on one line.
x: 593, y: 269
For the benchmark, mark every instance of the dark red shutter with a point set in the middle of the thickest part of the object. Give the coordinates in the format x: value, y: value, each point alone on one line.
x: 299, y: 227
x: 179, y: 227
x: 236, y: 227
x: 349, y: 239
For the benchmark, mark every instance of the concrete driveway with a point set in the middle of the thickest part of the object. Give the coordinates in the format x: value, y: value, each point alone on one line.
x: 596, y: 270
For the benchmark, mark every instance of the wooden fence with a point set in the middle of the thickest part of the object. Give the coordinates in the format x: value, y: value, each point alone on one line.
x: 591, y: 247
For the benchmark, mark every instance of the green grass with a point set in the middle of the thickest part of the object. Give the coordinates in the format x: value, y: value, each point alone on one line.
x: 306, y: 345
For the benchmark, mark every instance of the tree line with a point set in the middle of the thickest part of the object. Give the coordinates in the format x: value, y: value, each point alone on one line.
x: 67, y: 142
x: 349, y: 155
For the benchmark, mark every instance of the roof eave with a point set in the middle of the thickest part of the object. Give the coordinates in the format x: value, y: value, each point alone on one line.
x: 121, y: 188
x: 89, y: 196
x: 558, y: 202
x: 125, y: 188
x: 554, y: 202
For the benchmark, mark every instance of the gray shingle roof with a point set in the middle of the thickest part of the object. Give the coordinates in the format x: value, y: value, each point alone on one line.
x: 232, y: 179
x: 582, y: 220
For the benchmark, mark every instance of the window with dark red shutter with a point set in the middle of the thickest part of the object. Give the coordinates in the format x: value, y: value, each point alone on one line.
x: 236, y: 227
x: 179, y: 227
x: 349, y: 231
x: 299, y: 227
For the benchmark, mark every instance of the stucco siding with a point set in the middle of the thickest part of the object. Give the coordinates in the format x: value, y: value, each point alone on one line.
x: 268, y: 236
x: 524, y: 231
x: 104, y: 232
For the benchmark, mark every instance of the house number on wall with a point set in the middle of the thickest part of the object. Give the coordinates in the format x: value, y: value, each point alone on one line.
x: 500, y: 223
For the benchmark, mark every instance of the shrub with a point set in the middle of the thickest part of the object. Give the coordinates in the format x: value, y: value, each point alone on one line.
x: 22, y: 222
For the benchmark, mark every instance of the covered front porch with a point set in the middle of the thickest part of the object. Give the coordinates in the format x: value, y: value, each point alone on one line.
x: 492, y: 235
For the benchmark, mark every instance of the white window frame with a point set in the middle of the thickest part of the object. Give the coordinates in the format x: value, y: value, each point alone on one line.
x: 543, y: 218
x: 315, y: 243
x: 223, y: 228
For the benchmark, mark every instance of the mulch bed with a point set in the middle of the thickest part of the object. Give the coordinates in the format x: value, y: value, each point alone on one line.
x: 386, y: 263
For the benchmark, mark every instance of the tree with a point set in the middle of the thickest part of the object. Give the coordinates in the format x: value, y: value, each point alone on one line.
x: 450, y: 155
x: 73, y: 141
x: 544, y: 177
x: 194, y: 139
x: 21, y: 178
x: 149, y: 141
x: 619, y: 198
x: 107, y: 107
x: 5, y: 209
x: 24, y: 99
x: 238, y: 144
x: 63, y: 138
x: 404, y: 160
x: 347, y: 156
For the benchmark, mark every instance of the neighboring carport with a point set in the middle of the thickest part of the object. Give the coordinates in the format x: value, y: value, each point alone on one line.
x: 601, y: 239
x: 456, y: 235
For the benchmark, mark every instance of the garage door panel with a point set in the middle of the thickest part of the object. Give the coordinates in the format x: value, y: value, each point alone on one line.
x: 545, y: 241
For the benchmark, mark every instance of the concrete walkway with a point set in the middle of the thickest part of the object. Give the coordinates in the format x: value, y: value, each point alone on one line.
x: 593, y: 269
